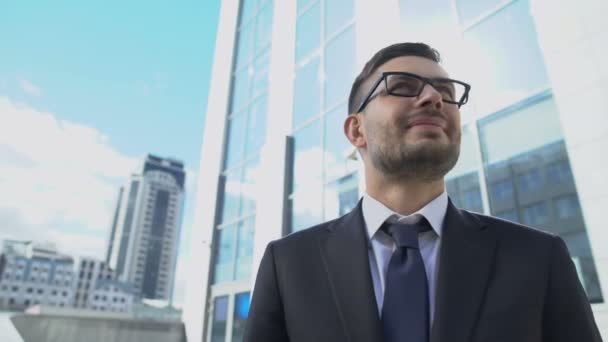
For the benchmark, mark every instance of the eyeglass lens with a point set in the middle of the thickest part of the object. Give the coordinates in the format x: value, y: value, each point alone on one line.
x: 405, y: 85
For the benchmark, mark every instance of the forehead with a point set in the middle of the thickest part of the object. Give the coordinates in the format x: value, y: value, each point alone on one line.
x: 414, y: 64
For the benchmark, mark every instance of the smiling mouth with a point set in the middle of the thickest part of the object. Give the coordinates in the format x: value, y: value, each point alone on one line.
x: 426, y: 124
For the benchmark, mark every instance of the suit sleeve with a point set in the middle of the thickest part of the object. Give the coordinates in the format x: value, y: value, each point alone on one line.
x: 567, y: 313
x: 266, y: 321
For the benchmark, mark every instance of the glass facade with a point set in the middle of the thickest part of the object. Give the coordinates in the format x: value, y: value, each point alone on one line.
x: 323, y: 181
x: 530, y: 179
x: 527, y: 179
x: 246, y: 125
x: 246, y: 122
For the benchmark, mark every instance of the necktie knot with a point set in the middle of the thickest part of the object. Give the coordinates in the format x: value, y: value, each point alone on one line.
x: 406, y: 235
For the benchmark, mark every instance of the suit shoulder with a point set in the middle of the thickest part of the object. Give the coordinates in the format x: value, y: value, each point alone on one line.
x: 303, y: 237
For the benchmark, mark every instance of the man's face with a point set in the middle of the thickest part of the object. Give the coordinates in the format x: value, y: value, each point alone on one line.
x: 413, y: 138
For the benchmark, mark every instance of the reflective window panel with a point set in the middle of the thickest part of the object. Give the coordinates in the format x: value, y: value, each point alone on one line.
x: 339, y: 67
x: 224, y: 258
x: 241, y: 312
x: 308, y: 31
x: 508, y: 62
x: 462, y: 182
x: 337, y: 14
x: 306, y: 102
x: 341, y: 196
x: 220, y: 317
x: 530, y: 181
x: 244, y: 254
x: 337, y: 148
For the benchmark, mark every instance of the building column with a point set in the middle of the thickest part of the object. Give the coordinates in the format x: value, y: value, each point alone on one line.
x: 270, y: 204
x: 573, y: 36
x: 195, y: 306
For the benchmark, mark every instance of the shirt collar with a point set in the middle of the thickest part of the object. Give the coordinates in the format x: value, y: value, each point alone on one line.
x: 375, y: 213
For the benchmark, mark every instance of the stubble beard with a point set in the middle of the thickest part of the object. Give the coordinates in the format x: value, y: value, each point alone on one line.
x: 424, y: 162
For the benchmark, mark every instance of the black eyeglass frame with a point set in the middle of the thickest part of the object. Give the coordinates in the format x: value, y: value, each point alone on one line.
x: 430, y: 81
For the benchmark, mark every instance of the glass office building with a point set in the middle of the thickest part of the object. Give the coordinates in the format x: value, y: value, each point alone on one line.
x: 275, y: 160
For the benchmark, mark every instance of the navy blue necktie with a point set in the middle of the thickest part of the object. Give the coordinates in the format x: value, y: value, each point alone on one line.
x: 405, y: 311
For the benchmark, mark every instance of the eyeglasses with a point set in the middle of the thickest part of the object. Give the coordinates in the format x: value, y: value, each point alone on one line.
x: 406, y: 84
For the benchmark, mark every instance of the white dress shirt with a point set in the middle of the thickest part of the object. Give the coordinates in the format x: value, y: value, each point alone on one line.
x: 382, y: 246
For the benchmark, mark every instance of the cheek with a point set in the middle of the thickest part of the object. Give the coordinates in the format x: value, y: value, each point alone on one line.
x: 454, y: 121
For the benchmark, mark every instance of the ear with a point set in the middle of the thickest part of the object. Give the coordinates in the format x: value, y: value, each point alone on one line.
x: 354, y: 131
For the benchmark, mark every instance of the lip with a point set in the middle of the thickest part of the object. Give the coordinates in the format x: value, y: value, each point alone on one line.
x: 433, y: 122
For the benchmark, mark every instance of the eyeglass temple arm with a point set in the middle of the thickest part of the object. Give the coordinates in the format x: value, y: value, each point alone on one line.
x: 369, y: 94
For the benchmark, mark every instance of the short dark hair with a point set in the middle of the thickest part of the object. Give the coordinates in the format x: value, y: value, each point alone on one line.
x: 383, y: 56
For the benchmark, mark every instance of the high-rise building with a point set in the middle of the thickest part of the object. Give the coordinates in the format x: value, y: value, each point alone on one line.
x: 275, y: 159
x: 145, y: 235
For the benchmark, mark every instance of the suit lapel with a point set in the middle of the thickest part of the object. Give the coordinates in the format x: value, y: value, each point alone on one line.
x: 345, y: 256
x: 465, y: 265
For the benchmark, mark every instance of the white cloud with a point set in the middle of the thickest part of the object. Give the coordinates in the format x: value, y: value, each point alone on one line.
x: 29, y: 87
x: 58, y: 180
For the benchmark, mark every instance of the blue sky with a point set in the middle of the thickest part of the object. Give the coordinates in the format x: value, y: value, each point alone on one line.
x: 86, y: 90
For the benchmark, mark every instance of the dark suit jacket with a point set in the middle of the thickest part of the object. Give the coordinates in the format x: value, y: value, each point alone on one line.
x: 497, y: 281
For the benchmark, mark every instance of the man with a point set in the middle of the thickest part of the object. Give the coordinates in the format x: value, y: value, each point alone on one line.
x: 406, y: 265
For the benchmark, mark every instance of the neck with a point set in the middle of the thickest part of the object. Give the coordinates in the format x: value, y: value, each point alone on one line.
x: 403, y: 197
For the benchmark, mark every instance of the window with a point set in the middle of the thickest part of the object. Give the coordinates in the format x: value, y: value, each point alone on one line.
x: 339, y: 65
x: 235, y: 139
x: 469, y: 10
x: 535, y: 214
x: 471, y: 198
x: 241, y: 312
x: 244, y: 256
x: 502, y: 190
x: 224, y: 260
x: 530, y: 181
x: 308, y: 158
x: 559, y: 171
x: 307, y: 89
x: 231, y: 195
x: 503, y: 47
x: 308, y: 31
x: 337, y: 148
x: 567, y: 207
x: 256, y: 125
x: 220, y: 317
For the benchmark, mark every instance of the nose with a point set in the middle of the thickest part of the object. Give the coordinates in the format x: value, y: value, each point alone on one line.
x: 429, y: 96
